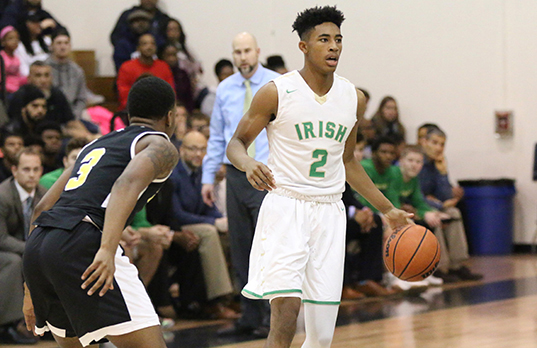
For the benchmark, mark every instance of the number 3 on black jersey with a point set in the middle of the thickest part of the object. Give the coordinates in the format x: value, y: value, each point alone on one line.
x: 86, y: 166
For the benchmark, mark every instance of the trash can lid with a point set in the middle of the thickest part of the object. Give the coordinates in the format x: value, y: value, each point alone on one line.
x: 488, y: 182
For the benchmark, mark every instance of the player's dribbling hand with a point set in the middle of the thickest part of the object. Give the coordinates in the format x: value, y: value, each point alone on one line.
x: 101, y: 271
x: 260, y: 176
x: 398, y: 218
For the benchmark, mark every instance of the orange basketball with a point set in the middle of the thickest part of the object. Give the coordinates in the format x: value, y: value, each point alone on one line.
x: 412, y: 253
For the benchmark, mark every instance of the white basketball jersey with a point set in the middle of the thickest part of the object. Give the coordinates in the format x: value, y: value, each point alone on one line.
x: 307, y: 138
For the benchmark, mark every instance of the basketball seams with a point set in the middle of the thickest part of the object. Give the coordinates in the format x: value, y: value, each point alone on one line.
x: 429, y: 265
x: 395, y: 246
x: 415, y: 252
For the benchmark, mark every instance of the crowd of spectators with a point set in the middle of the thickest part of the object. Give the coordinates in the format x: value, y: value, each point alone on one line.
x: 181, y: 242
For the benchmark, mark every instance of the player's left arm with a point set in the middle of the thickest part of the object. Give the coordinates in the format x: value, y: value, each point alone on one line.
x: 155, y: 159
x: 264, y: 106
x: 360, y: 181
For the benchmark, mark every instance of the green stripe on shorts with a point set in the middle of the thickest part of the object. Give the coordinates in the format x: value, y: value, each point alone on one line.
x: 272, y: 292
x: 334, y: 303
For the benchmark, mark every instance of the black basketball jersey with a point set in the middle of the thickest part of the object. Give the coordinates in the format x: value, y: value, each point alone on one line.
x: 97, y: 168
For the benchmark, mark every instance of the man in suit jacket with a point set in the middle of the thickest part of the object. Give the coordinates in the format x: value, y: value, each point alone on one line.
x: 202, y: 220
x: 18, y: 197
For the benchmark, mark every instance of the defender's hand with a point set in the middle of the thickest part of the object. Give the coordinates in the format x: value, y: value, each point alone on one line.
x: 101, y: 271
x: 207, y: 193
x: 28, y: 311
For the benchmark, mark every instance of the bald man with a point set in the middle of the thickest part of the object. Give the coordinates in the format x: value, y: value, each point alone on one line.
x: 233, y: 97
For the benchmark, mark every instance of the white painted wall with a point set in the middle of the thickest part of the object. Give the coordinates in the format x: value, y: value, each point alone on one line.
x: 448, y: 62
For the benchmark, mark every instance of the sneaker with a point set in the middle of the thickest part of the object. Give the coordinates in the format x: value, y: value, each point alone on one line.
x: 434, y: 281
x: 447, y: 277
x: 418, y: 286
x: 464, y: 273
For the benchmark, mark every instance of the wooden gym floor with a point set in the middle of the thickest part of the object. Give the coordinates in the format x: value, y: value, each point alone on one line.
x: 499, y: 311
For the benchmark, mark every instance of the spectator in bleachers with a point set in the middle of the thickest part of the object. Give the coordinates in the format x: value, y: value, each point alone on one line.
x: 139, y: 23
x: 386, y: 119
x: 199, y: 122
x: 66, y: 74
x: 18, y: 197
x: 180, y: 125
x: 16, y: 12
x: 367, y: 129
x: 276, y: 63
x: 34, y: 45
x: 32, y: 112
x: 175, y: 35
x: 222, y: 69
x: 422, y: 132
x: 51, y: 135
x: 157, y: 22
x: 183, y: 85
x: 131, y: 70
x: 10, y: 145
x: 71, y: 152
x: 364, y: 267
x: 206, y: 222
x: 58, y: 108
x: 10, y: 41
x: 441, y: 195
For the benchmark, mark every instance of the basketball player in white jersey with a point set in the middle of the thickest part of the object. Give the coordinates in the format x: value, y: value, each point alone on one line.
x: 311, y: 120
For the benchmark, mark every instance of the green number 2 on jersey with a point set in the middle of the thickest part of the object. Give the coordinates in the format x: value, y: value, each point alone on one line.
x: 314, y: 168
x: 86, y: 166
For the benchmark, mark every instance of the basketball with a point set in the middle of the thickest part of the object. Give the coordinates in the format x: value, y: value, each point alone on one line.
x: 412, y: 253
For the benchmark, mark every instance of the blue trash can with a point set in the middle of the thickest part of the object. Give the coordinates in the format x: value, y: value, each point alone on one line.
x: 489, y: 205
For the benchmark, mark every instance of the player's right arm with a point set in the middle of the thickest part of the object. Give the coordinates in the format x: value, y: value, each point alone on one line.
x: 155, y: 159
x: 264, y: 106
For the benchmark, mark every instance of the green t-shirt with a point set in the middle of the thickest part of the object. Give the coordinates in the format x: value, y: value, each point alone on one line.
x: 386, y: 183
x: 47, y: 180
x: 410, y: 193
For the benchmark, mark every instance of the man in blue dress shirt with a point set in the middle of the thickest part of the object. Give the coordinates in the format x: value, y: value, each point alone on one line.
x: 233, y: 98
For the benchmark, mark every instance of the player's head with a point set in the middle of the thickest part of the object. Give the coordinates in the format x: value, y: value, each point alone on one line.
x: 153, y: 99
x: 411, y: 161
x: 320, y: 36
x: 246, y: 54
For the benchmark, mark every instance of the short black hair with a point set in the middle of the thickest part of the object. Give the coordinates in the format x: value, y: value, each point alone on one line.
x: 365, y: 92
x: 428, y: 126
x: 274, y: 62
x: 75, y: 143
x: 4, y: 134
x: 59, y: 32
x: 46, y: 125
x: 151, y: 98
x: 221, y: 64
x: 382, y: 140
x: 311, y: 17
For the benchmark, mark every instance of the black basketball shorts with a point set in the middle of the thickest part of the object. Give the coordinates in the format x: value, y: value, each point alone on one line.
x: 54, y: 262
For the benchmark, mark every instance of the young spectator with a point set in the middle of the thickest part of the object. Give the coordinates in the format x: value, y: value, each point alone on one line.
x: 364, y: 267
x: 18, y: 10
x: 58, y: 108
x: 175, y: 35
x: 131, y: 70
x: 33, y: 111
x: 158, y: 21
x: 441, y: 195
x: 222, y: 69
x: 386, y: 119
x: 180, y: 124
x: 51, y: 135
x: 34, y: 44
x: 422, y: 132
x: 10, y: 41
x: 204, y: 221
x: 367, y: 129
x: 10, y: 145
x: 276, y: 63
x: 139, y: 23
x: 66, y: 74
x: 199, y: 122
x: 381, y: 171
x: 71, y: 152
x: 183, y: 85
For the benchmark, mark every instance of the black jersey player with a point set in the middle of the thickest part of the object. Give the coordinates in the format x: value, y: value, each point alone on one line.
x: 82, y: 288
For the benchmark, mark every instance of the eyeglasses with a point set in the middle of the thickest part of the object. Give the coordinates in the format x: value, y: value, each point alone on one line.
x: 195, y: 149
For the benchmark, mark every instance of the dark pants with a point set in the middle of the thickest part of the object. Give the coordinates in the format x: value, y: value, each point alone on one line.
x: 366, y: 262
x: 243, y: 203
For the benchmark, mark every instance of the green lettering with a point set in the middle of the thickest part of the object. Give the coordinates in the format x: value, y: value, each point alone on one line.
x: 298, y: 132
x: 341, y: 133
x: 308, y: 130
x: 320, y: 129
x: 330, y: 128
